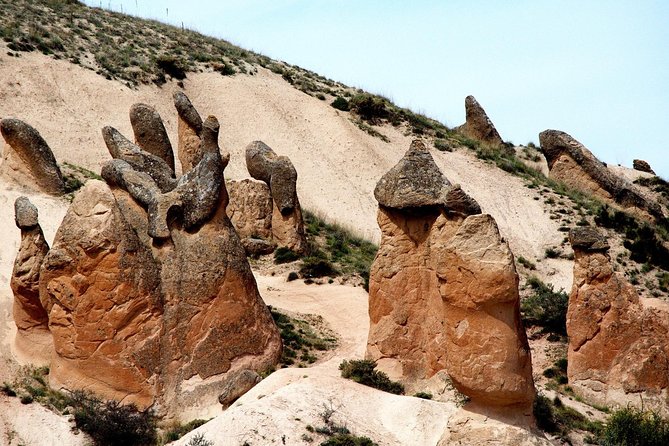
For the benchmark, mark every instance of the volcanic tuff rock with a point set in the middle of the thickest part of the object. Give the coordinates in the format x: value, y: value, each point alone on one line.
x: 618, y: 342
x: 28, y: 159
x: 570, y: 162
x: 149, y: 296
x: 478, y: 125
x: 280, y: 175
x: 28, y: 311
x: 444, y: 289
x: 250, y: 208
x: 189, y: 127
x: 150, y: 133
x: 642, y: 166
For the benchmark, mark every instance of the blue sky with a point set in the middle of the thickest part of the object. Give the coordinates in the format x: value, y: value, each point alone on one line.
x: 598, y: 70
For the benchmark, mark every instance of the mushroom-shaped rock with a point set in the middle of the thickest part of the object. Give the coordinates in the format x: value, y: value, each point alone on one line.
x: 280, y: 175
x: 150, y: 133
x: 618, y: 341
x: 478, y: 125
x: 28, y: 159
x: 189, y: 128
x: 571, y: 162
x: 444, y: 290
x: 28, y: 311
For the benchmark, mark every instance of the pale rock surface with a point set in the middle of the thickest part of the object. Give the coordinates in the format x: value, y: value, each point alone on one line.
x: 250, y: 208
x: 444, y: 290
x: 618, y: 342
x: 28, y: 159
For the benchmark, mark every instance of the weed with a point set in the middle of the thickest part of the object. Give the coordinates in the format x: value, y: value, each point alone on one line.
x: 526, y: 263
x: 635, y: 427
x: 423, y: 395
x: 179, y: 430
x: 199, y: 440
x: 552, y: 253
x: 363, y: 371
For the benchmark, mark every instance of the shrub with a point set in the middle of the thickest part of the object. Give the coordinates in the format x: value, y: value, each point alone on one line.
x: 369, y: 107
x: 633, y: 427
x: 285, y: 255
x: 224, y: 68
x: 442, y: 145
x: 340, y: 104
x: 423, y: 395
x: 314, y: 266
x: 179, y: 430
x: 300, y: 340
x: 363, y: 371
x: 199, y: 440
x: 110, y: 423
x: 552, y: 253
x: 556, y: 418
x: 347, y: 440
x: 171, y: 66
x: 526, y: 263
x: 292, y: 276
x: 546, y: 308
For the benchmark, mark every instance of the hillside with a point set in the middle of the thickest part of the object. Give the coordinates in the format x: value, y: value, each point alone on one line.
x: 57, y: 74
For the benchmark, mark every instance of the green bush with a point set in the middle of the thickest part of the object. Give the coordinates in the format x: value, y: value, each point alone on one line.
x: 633, y: 427
x: 423, y: 395
x: 340, y: 104
x: 369, y: 107
x: 171, y: 66
x: 347, y: 440
x: 556, y: 418
x: 178, y: 431
x: 546, y: 308
x: 363, y: 371
x: 314, y: 267
x: 442, y: 145
x: 111, y: 423
x: 285, y: 255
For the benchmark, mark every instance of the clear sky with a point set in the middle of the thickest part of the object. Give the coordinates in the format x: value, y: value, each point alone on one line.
x: 597, y: 69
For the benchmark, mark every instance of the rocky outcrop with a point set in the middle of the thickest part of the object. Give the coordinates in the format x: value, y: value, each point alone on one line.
x: 149, y: 296
x: 150, y: 133
x: 642, y: 166
x: 250, y: 208
x: 444, y: 290
x: 28, y: 159
x: 28, y: 311
x: 478, y: 125
x: 618, y: 342
x: 280, y: 175
x: 573, y: 164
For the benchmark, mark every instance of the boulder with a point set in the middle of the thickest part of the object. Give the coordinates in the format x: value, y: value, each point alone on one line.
x: 444, y: 290
x: 150, y: 133
x: 642, y: 166
x: 28, y: 311
x: 573, y: 164
x: 280, y: 175
x: 250, y: 208
x: 149, y: 296
x: 618, y: 341
x: 478, y: 125
x: 28, y: 159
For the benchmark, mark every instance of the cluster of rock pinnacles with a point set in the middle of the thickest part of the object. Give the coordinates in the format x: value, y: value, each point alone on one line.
x: 149, y: 298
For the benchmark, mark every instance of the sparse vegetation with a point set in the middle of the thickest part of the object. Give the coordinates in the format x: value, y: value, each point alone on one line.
x: 199, y: 440
x: 442, y: 145
x: 556, y: 418
x: 546, y: 308
x: 526, y: 263
x: 423, y: 395
x: 340, y: 104
x: 302, y: 338
x: 177, y: 431
x: 363, y: 371
x: 285, y: 255
x: 634, y: 427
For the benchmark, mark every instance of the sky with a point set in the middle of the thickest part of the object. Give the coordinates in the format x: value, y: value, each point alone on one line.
x: 597, y: 69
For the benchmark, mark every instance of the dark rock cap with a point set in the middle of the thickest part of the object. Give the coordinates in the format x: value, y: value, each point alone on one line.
x: 25, y: 213
x: 416, y: 182
x: 642, y: 166
x: 187, y: 112
x: 35, y: 153
x: 587, y: 239
x: 150, y: 133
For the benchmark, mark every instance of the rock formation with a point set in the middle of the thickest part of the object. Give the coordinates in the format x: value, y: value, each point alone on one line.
x: 618, y: 342
x: 280, y: 175
x: 28, y: 159
x: 250, y: 208
x: 570, y: 162
x: 28, y: 311
x: 478, y: 125
x: 150, y: 133
x: 642, y: 166
x: 149, y: 296
x: 444, y: 290
x: 189, y: 127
